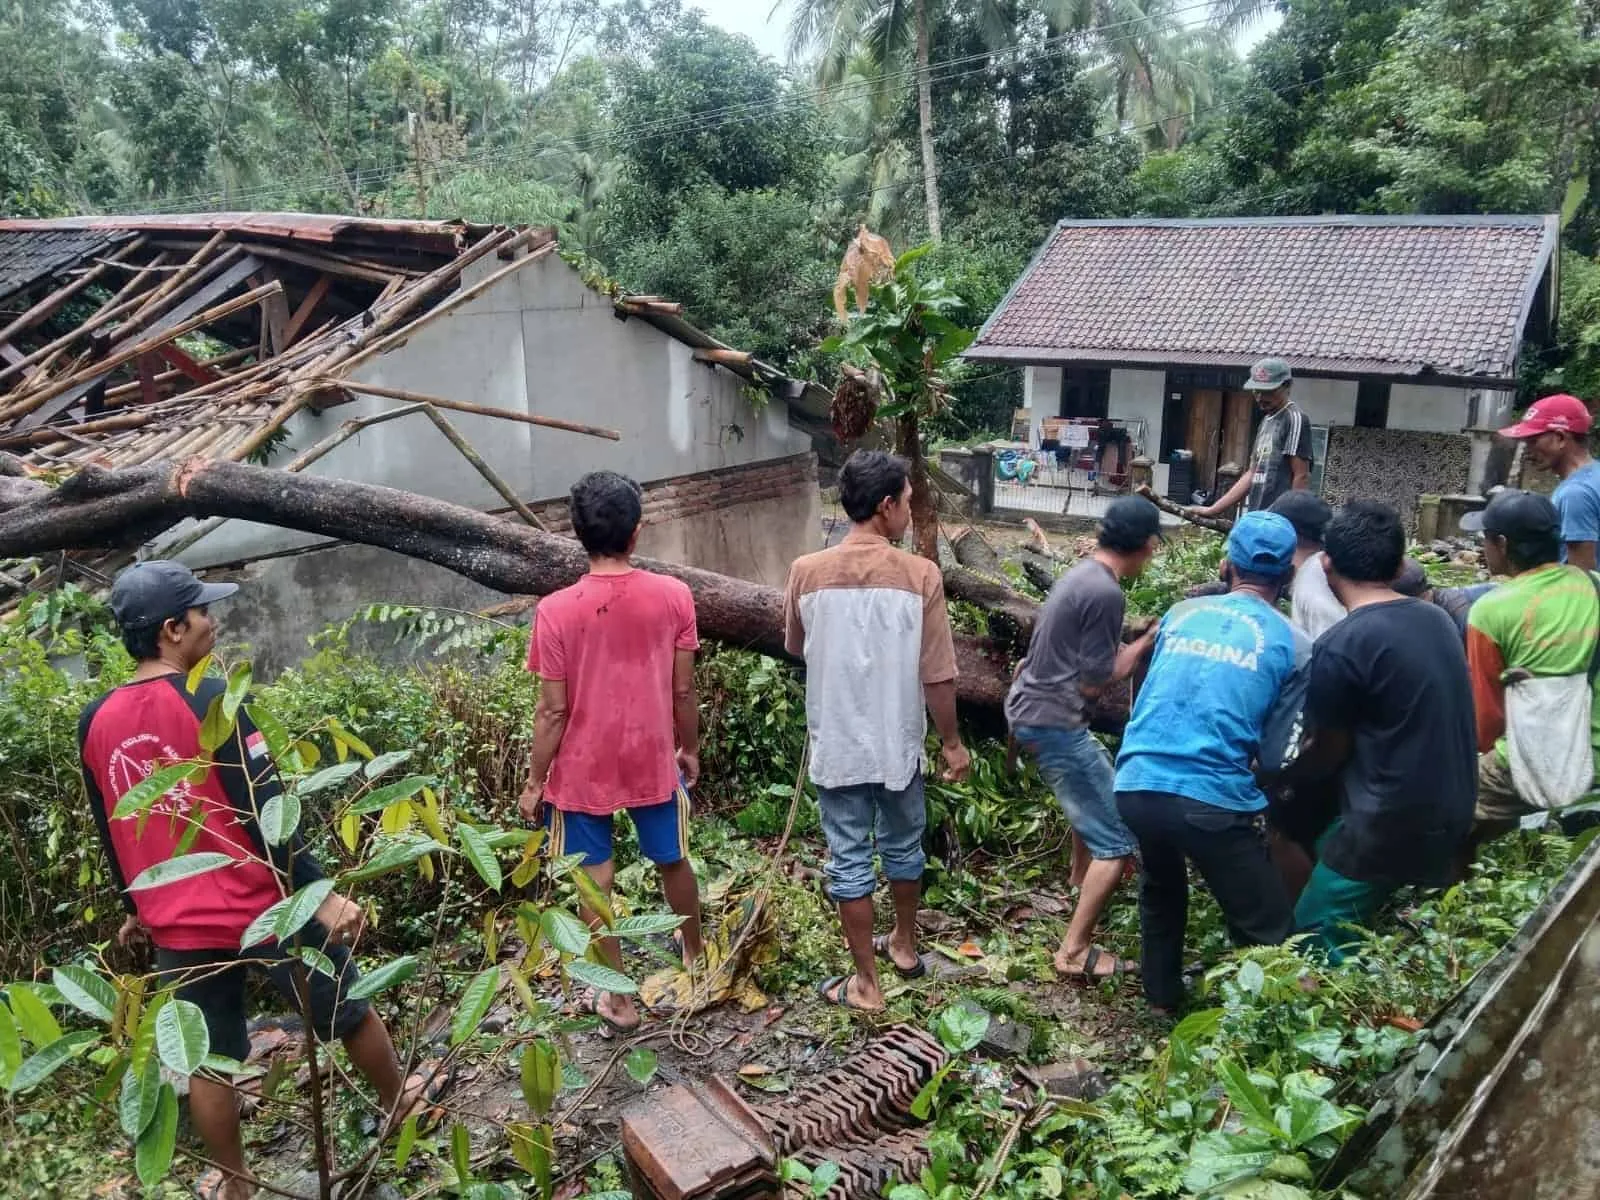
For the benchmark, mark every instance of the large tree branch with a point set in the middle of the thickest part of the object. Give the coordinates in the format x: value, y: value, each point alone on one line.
x: 97, y: 509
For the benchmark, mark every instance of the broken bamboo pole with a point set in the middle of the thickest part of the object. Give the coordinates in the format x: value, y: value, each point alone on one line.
x: 723, y: 357
x: 101, y: 367
x: 463, y: 406
x: 180, y: 278
x: 453, y: 436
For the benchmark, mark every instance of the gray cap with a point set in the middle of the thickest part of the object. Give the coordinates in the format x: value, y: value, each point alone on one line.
x: 149, y: 593
x: 1269, y: 375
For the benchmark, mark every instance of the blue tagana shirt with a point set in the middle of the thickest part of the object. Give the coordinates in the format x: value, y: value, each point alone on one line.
x: 1226, y: 686
x: 1577, y: 499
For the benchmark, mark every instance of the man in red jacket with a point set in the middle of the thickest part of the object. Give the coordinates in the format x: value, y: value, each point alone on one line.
x: 197, y: 923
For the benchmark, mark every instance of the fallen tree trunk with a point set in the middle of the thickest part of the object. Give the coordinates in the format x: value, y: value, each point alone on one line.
x: 97, y: 509
x: 1215, y: 524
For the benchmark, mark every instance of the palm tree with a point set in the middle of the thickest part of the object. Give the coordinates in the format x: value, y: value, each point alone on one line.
x: 875, y: 182
x: 883, y: 31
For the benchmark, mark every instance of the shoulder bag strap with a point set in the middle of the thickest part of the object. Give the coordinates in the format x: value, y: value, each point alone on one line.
x: 1594, y: 655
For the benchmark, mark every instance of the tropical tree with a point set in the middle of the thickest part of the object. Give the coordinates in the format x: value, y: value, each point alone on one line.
x: 908, y: 337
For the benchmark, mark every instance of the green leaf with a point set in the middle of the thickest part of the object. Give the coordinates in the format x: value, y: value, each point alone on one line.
x: 565, y: 932
x: 33, y: 1016
x: 646, y: 924
x: 41, y: 1066
x: 960, y: 1028
x: 154, y: 786
x: 1247, y: 1098
x: 641, y: 1065
x: 185, y: 866
x: 217, y: 727
x: 407, y: 1141
x: 541, y: 1075
x: 1310, y: 1115
x: 86, y: 991
x: 288, y: 916
x: 1264, y: 1189
x: 477, y: 852
x: 381, y: 798
x: 318, y: 961
x: 328, y: 777
x: 141, y: 1091
x: 1251, y: 977
x: 341, y: 734
x: 475, y: 1003
x: 461, y: 1153
x: 197, y: 674
x: 272, y: 730
x: 391, y: 974
x: 1326, y: 1046
x: 602, y: 977
x: 238, y: 688
x: 221, y: 1064
x: 1217, y: 1159
x: 280, y: 817
x: 386, y: 762
x: 1577, y: 193
x: 153, y: 1154
x: 181, y: 1037
x: 10, y: 1046
x: 824, y: 1177
x: 922, y: 1104
x: 395, y: 854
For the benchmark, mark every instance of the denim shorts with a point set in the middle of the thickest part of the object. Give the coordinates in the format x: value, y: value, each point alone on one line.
x: 1078, y: 770
x: 856, y: 818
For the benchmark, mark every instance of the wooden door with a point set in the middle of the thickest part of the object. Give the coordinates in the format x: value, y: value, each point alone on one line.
x: 1239, y: 412
x: 1205, y: 429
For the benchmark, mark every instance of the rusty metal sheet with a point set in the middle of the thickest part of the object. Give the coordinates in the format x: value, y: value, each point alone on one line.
x: 443, y: 237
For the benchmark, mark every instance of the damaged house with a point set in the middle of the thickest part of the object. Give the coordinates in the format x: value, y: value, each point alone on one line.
x: 471, y: 364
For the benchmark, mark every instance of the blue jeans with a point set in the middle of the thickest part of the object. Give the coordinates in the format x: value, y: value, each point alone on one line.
x: 1078, y: 770
x: 854, y: 818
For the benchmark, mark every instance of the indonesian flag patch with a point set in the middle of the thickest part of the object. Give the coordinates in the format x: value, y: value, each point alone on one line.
x: 256, y: 744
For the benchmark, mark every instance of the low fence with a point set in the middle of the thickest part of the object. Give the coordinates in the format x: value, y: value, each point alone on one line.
x: 987, y: 486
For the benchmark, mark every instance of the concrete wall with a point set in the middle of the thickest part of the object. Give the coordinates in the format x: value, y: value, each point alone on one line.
x: 1428, y: 409
x: 537, y: 342
x: 1041, y: 396
x: 1326, y: 401
x: 1138, y: 396
x: 748, y: 522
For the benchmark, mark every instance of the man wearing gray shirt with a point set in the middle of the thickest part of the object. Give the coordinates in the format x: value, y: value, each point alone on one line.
x: 1076, y: 652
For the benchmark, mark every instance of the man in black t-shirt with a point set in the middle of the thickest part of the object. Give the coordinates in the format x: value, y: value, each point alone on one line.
x: 1280, y: 459
x: 1390, y: 706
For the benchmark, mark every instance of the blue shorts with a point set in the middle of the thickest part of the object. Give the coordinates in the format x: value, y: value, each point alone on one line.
x: 663, y: 831
x: 1078, y: 770
x: 855, y: 819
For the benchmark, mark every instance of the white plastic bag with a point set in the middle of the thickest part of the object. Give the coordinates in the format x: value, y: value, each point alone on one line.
x: 1548, y: 739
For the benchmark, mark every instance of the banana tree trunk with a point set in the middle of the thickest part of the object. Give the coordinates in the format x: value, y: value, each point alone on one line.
x: 924, y: 513
x: 930, y: 169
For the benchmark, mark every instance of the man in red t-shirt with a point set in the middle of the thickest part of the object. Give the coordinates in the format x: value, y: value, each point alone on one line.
x: 618, y: 724
x: 198, y: 923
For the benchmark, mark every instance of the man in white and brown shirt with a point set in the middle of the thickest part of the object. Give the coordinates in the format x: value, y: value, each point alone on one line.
x: 870, y: 621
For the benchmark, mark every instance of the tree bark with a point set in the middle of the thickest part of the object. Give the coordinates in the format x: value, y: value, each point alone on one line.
x: 100, y: 509
x: 924, y: 512
x: 930, y: 170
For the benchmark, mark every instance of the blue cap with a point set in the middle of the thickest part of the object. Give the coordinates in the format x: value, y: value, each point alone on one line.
x: 1262, y: 543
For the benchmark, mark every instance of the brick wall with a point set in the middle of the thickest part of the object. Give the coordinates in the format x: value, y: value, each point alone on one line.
x: 706, y: 492
x: 1394, y: 466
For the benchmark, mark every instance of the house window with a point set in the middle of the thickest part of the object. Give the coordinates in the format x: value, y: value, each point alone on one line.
x: 1372, y: 404
x: 1174, y: 423
x: 1085, y: 392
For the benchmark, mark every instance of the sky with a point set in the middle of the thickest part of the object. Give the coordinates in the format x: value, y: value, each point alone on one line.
x: 766, y: 23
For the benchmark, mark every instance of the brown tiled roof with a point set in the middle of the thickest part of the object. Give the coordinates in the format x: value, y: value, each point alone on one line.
x: 27, y: 256
x: 1445, y: 296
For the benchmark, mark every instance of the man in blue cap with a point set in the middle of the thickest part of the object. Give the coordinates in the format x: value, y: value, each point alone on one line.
x: 1223, y: 694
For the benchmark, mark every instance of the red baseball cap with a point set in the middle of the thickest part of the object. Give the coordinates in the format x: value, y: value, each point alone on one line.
x: 1553, y: 414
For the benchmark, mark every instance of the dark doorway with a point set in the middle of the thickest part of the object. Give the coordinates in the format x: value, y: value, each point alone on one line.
x: 1085, y: 392
x: 1372, y: 404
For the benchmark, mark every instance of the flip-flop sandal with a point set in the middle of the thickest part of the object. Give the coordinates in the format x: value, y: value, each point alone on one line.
x: 839, y: 987
x: 209, y: 1185
x: 1088, y: 976
x: 880, y: 947
x: 590, y: 1004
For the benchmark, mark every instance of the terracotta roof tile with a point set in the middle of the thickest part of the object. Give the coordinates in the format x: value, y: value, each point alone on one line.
x: 1355, y: 294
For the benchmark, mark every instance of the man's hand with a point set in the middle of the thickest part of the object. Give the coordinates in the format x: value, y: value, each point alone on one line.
x: 689, y: 767
x: 1194, y: 510
x: 531, y: 803
x: 957, y: 761
x: 133, y: 933
x: 344, y: 919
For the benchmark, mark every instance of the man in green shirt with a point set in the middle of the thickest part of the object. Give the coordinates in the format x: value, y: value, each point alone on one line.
x: 1543, y: 623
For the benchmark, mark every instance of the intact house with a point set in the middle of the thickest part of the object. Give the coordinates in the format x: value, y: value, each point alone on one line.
x: 313, y: 343
x: 1404, y: 334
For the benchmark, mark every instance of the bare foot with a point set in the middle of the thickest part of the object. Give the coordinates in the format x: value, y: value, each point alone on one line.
x: 214, y: 1185
x: 616, y: 1011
